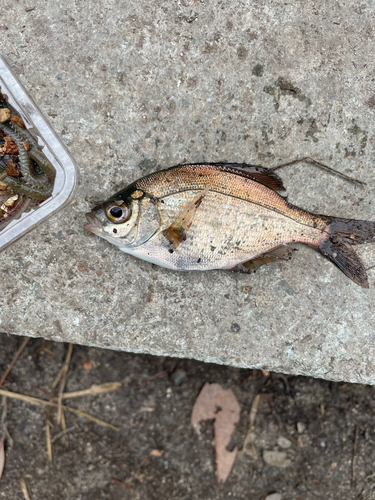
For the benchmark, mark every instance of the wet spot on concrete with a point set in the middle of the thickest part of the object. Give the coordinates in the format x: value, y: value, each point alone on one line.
x: 284, y: 87
x: 235, y: 327
x: 371, y: 102
x: 286, y: 287
x: 147, y: 166
x: 58, y: 235
x: 242, y: 52
x: 258, y: 70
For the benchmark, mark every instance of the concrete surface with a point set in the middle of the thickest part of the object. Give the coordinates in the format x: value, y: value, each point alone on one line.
x: 139, y: 85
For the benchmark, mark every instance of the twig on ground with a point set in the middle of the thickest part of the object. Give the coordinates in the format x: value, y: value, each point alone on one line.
x: 4, y: 424
x: 248, y: 438
x: 63, y: 433
x: 65, y: 367
x: 2, y: 455
x: 94, y: 389
x: 330, y: 169
x: 63, y: 426
x: 15, y: 357
x: 62, y: 378
x: 24, y: 489
x: 14, y: 49
x: 5, y: 410
x: 117, y: 481
x: 354, y: 452
x: 151, y: 378
x: 48, y: 440
x: 42, y: 402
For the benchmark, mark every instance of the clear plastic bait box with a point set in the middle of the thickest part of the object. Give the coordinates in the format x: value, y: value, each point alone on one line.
x: 46, y: 141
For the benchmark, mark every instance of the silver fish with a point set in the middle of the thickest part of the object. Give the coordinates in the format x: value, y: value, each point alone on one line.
x: 221, y: 216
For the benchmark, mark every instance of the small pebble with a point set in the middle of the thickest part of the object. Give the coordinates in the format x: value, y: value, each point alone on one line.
x: 276, y: 458
x: 301, y: 427
x: 247, y: 289
x: 274, y: 496
x: 156, y: 453
x: 178, y: 377
x: 4, y: 115
x: 284, y: 442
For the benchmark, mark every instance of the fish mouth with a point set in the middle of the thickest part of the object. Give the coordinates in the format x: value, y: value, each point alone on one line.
x: 93, y: 225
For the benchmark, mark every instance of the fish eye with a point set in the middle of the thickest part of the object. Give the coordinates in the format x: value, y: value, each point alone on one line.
x: 117, y: 213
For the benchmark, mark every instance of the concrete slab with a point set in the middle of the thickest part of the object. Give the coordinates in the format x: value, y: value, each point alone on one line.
x: 139, y: 86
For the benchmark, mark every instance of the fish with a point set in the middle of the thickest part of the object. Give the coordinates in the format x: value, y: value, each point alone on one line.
x: 227, y: 216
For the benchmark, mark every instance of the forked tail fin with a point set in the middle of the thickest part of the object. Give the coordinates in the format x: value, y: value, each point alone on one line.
x: 343, y: 234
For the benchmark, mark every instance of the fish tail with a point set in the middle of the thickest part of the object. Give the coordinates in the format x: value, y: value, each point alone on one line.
x: 343, y: 234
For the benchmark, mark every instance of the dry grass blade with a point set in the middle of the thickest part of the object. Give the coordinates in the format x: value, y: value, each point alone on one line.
x: 42, y: 402
x: 90, y: 417
x: 330, y: 169
x: 248, y: 438
x: 48, y: 440
x: 63, y: 433
x: 62, y: 376
x: 15, y: 357
x: 94, y: 389
x: 24, y: 489
x: 5, y: 411
x: 254, y: 410
x: 151, y: 378
x: 14, y: 49
x: 123, y: 483
x: 63, y: 426
x: 65, y: 367
x: 2, y: 456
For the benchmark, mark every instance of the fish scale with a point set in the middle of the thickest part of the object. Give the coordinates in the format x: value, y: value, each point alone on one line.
x: 196, y: 177
x: 221, y: 238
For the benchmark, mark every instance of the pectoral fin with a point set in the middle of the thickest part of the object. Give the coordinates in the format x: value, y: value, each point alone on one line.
x: 280, y: 253
x: 176, y: 233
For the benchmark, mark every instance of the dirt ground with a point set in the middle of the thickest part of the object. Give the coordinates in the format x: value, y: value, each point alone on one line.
x: 155, y: 453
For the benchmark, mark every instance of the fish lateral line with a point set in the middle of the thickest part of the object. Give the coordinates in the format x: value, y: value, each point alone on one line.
x: 324, y: 218
x: 177, y: 231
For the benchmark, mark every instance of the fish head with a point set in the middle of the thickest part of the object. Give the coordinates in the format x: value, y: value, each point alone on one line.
x: 127, y: 219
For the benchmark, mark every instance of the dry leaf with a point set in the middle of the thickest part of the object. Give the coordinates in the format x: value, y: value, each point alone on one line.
x: 2, y: 456
x: 222, y: 405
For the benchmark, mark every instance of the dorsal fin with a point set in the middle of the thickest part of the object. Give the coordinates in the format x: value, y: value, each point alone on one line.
x: 260, y: 174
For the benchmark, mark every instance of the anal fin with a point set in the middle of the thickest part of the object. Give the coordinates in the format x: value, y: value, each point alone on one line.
x: 176, y: 233
x: 250, y: 266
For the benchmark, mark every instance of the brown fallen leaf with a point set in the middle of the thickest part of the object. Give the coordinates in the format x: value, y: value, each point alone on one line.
x: 2, y: 456
x: 220, y: 404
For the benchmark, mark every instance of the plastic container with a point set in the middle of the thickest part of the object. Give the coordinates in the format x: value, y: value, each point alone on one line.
x: 66, y: 172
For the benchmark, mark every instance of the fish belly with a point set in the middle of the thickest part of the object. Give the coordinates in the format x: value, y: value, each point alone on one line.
x: 225, y: 231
